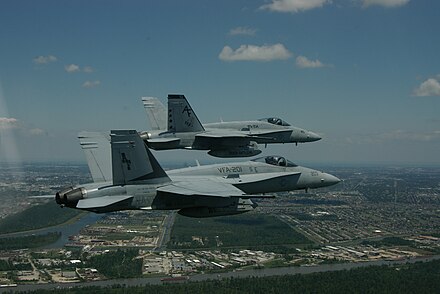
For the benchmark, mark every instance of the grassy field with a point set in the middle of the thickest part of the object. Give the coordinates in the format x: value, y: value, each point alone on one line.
x: 256, y: 231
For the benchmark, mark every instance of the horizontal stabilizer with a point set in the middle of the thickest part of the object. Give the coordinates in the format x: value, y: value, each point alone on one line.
x: 103, y: 204
x: 163, y: 143
x: 163, y: 140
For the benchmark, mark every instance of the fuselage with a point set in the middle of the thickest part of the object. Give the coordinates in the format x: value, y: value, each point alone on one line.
x: 259, y: 131
x: 264, y: 132
x: 276, y: 178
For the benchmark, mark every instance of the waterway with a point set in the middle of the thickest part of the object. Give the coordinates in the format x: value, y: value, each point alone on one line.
x: 66, y: 230
x: 73, y: 228
x: 265, y: 272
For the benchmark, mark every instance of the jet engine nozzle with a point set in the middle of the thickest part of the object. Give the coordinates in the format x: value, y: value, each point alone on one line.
x: 145, y: 135
x: 70, y: 196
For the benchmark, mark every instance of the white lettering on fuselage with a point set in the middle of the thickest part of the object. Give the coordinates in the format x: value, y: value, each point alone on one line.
x: 253, y: 126
x: 230, y: 169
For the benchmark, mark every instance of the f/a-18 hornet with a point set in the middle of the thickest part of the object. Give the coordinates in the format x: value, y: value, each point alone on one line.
x: 133, y: 179
x: 181, y: 129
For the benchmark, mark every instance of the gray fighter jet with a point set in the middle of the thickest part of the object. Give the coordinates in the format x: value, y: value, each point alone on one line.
x: 133, y: 179
x: 224, y: 139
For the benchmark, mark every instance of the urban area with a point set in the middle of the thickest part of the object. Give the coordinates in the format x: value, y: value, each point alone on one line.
x: 376, y: 213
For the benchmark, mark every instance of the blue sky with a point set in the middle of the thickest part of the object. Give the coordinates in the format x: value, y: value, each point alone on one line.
x: 365, y: 74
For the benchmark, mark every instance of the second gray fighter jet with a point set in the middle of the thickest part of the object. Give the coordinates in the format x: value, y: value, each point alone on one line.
x: 183, y: 130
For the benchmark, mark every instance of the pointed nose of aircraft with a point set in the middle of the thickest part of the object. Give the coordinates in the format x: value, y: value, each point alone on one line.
x: 329, y: 180
x: 311, y: 137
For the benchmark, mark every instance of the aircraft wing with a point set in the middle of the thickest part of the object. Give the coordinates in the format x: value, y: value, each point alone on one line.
x: 266, y: 182
x: 205, y: 187
x: 240, y: 134
x: 271, y: 135
x: 217, y: 138
x: 215, y: 135
x: 258, y: 178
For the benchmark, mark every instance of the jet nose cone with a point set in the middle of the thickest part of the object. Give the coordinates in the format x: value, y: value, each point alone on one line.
x: 329, y: 179
x: 311, y: 136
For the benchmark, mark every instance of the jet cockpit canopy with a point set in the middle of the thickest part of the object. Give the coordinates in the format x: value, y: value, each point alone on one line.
x: 275, y: 160
x: 275, y: 121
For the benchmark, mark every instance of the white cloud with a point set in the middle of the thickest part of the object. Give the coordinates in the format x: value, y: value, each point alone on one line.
x: 91, y: 84
x: 8, y: 123
x: 76, y: 68
x: 15, y: 136
x: 36, y: 132
x: 430, y: 87
x: 17, y: 126
x: 304, y: 62
x: 255, y: 53
x: 72, y: 68
x: 294, y: 5
x: 242, y: 31
x: 44, y: 59
x: 384, y: 3
x: 88, y: 69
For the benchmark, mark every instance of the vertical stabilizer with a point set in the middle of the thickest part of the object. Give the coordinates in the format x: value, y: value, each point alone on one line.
x: 156, y: 113
x: 96, y: 147
x: 132, y: 161
x: 181, y: 117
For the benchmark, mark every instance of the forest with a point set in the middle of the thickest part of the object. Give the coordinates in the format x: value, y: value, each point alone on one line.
x: 37, y: 217
x: 32, y: 241
x: 117, y: 264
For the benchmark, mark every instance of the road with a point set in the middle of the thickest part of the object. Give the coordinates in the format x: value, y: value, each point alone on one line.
x: 165, y: 233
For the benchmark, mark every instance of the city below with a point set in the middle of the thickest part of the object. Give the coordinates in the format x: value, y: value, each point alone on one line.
x: 374, y: 214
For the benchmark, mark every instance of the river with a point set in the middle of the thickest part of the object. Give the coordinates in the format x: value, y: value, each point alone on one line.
x: 90, y: 218
x: 66, y: 230
x: 265, y: 272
